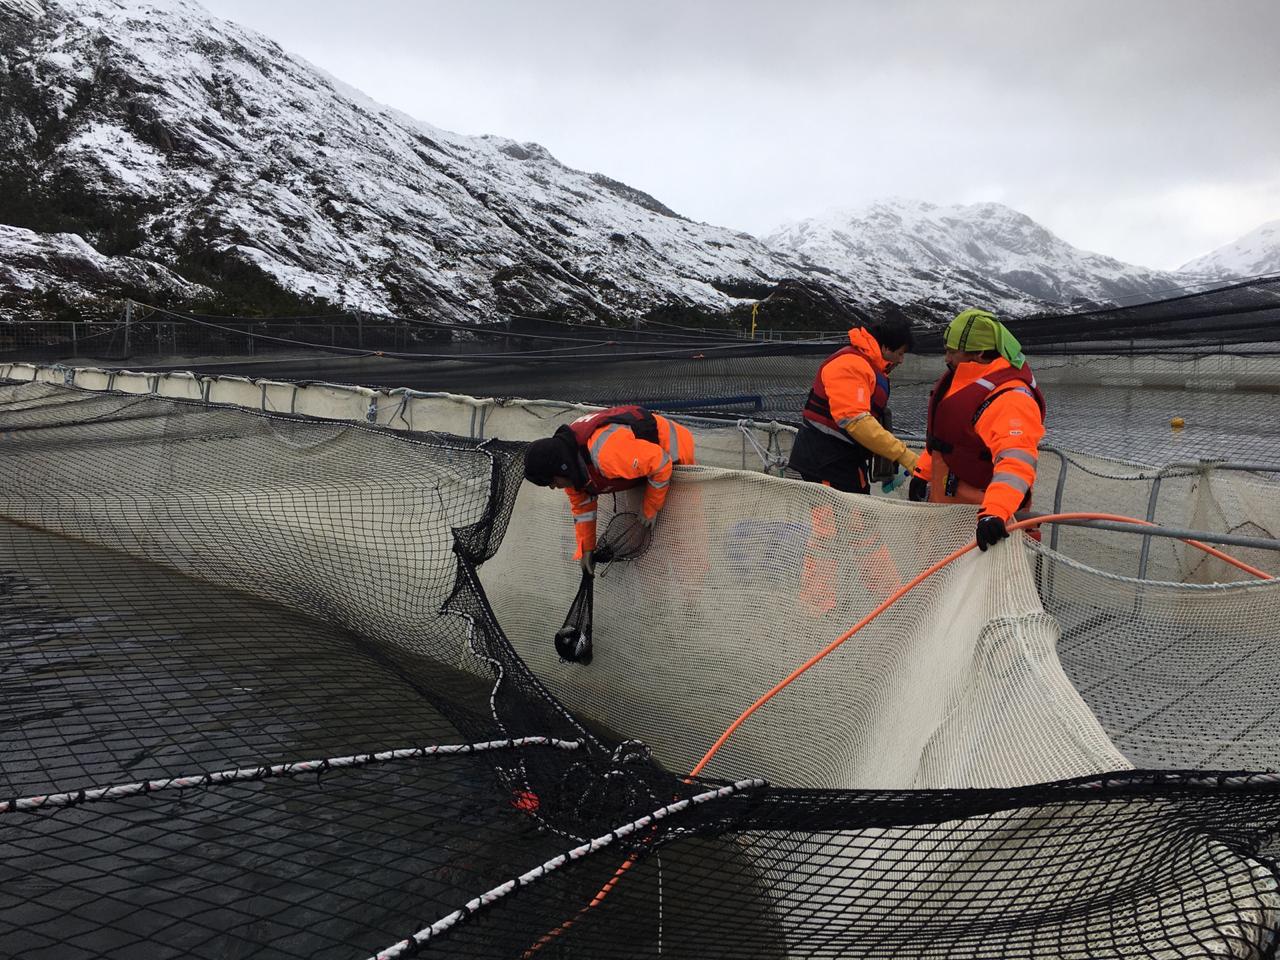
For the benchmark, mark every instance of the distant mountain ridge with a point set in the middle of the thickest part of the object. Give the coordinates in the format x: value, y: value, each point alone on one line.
x: 991, y: 253
x: 1255, y: 254
x: 159, y: 152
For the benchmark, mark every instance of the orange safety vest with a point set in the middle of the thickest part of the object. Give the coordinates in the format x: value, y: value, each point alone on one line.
x: 590, y: 434
x: 638, y: 420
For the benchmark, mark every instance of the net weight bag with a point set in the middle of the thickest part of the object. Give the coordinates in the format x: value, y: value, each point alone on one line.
x: 573, y: 640
x: 624, y: 539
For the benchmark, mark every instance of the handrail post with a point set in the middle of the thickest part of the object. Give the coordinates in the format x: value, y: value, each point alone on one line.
x: 1151, y: 516
x: 1064, y: 466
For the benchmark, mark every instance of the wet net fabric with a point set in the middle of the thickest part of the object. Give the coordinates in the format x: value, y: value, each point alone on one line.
x: 342, y: 634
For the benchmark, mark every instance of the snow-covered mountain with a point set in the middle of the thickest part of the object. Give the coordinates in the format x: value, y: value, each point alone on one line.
x: 1256, y: 253
x: 193, y: 161
x: 157, y: 131
x: 985, y: 252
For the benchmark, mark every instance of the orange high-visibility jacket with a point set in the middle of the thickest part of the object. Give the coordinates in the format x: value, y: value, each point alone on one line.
x: 850, y: 380
x: 624, y: 456
x: 1011, y: 427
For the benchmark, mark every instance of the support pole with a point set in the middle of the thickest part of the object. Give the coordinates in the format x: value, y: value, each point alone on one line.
x: 1151, y: 515
x: 1174, y: 533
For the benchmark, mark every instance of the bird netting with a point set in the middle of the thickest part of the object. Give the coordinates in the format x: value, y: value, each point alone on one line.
x: 1210, y: 359
x: 281, y: 687
x: 1204, y: 322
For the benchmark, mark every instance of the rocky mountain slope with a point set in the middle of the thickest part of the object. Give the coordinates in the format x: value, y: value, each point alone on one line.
x: 42, y: 271
x: 158, y: 132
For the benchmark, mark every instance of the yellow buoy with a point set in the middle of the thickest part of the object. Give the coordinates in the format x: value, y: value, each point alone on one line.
x: 1177, y: 423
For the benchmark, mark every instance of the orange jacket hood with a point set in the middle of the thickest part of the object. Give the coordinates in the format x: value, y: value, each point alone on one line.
x: 868, y: 347
x: 966, y: 373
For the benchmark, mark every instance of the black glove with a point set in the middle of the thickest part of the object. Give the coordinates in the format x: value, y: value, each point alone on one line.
x: 990, y: 532
x: 918, y: 489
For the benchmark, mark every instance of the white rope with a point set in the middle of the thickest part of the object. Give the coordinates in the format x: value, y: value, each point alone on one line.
x: 658, y: 858
x: 114, y: 792
x: 1236, y: 781
x: 769, y: 460
x: 444, y: 924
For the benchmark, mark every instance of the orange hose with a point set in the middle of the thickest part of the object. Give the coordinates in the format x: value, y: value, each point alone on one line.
x: 603, y: 892
x: 912, y: 584
x: 821, y: 654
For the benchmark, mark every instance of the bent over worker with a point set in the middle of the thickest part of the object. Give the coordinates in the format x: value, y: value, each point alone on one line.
x: 843, y: 417
x: 615, y: 449
x: 985, y: 422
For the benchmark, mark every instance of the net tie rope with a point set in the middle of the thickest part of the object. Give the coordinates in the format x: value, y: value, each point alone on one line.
x: 628, y: 863
x: 73, y: 798
x: 770, y: 460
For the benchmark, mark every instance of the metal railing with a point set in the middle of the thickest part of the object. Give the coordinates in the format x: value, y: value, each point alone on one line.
x: 1182, y: 468
x: 1200, y: 466
x: 1159, y: 530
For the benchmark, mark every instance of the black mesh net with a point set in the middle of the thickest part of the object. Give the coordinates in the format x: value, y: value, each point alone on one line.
x: 1211, y: 359
x: 1225, y: 318
x: 625, y: 538
x: 256, y: 704
x: 573, y: 639
x: 1245, y: 315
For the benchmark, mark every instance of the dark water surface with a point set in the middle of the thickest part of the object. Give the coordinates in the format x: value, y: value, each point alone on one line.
x: 117, y: 671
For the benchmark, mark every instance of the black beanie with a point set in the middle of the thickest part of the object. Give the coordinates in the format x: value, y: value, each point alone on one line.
x: 551, y: 457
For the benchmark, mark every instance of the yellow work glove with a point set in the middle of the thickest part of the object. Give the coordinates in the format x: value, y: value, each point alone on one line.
x: 867, y: 431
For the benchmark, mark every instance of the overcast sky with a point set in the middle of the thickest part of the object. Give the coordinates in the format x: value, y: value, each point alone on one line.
x: 1148, y: 130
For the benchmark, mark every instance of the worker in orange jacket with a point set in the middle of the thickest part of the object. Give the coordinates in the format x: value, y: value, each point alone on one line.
x: 985, y: 422
x: 843, y: 416
x: 615, y: 449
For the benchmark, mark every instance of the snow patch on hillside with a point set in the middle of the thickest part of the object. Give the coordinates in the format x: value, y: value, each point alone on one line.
x: 1256, y: 253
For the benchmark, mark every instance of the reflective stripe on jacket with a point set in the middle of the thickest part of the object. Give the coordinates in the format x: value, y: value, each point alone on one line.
x: 851, y: 383
x: 616, y: 453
